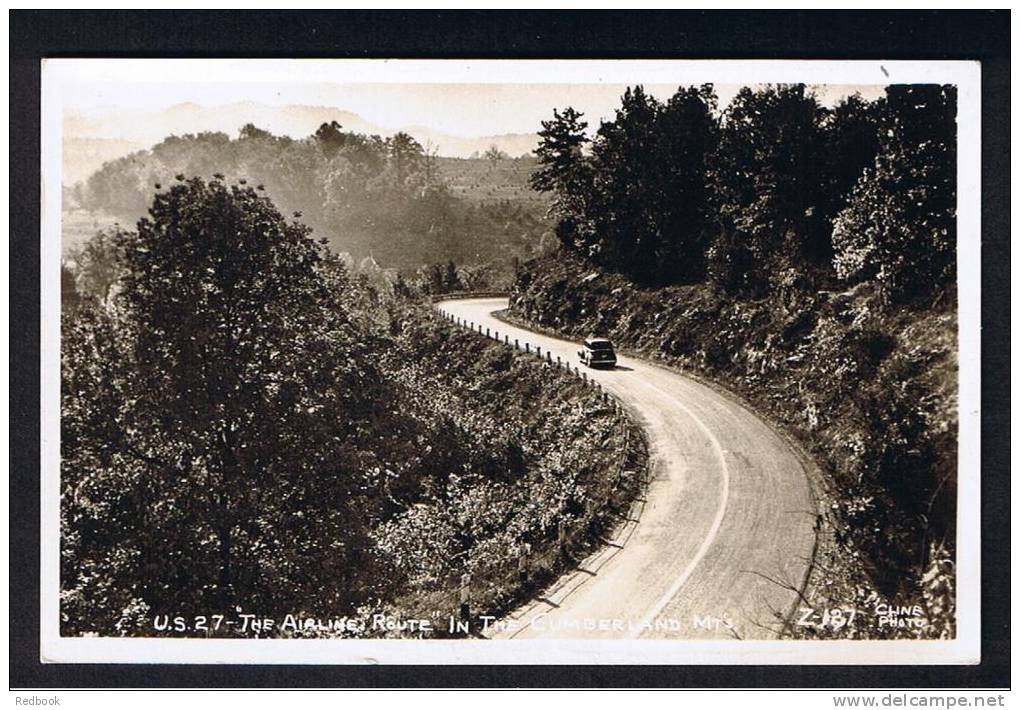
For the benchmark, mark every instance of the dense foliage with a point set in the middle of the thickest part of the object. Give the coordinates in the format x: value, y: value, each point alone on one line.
x: 776, y: 189
x: 390, y: 198
x: 246, y: 425
x: 899, y: 227
x: 828, y: 240
x: 871, y: 393
x: 640, y: 200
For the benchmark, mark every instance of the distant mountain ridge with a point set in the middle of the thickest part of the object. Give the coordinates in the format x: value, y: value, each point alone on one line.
x: 91, y: 139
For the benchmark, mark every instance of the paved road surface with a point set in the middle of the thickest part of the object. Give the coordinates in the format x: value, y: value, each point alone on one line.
x: 728, y: 509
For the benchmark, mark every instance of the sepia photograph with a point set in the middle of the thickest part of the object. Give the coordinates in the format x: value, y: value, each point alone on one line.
x: 425, y: 361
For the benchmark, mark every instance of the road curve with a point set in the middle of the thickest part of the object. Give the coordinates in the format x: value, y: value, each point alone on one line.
x: 726, y: 530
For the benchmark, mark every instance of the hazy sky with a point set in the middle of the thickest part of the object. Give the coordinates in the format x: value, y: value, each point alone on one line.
x: 445, y: 96
x: 460, y: 109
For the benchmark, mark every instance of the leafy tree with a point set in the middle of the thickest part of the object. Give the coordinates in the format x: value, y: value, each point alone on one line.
x: 250, y: 132
x: 767, y: 177
x: 640, y: 202
x: 494, y: 155
x: 120, y: 182
x: 211, y: 410
x: 851, y: 135
x: 69, y: 295
x: 433, y: 279
x: 406, y: 156
x: 625, y: 233
x: 97, y: 264
x: 330, y: 137
x: 686, y: 137
x: 451, y: 282
x: 899, y: 226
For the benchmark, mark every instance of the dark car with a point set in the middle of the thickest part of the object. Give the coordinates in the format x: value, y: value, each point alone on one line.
x: 597, y: 352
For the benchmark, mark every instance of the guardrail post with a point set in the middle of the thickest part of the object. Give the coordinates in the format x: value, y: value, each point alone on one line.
x: 538, y: 350
x: 558, y: 363
x: 522, y: 563
x: 486, y: 332
x: 465, y: 596
x: 527, y: 348
x: 548, y: 356
x: 506, y: 339
x: 517, y: 344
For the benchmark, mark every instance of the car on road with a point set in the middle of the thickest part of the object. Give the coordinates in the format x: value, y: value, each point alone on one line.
x: 597, y: 352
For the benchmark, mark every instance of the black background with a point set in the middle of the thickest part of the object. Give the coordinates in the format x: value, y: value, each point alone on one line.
x: 975, y: 35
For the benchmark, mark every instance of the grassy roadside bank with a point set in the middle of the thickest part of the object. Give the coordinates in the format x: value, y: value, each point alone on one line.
x: 546, y: 454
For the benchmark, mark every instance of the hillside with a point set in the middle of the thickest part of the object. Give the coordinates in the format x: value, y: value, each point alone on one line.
x: 481, y: 181
x: 96, y: 137
x: 370, y: 197
x: 805, y: 258
x: 336, y: 452
x: 871, y: 395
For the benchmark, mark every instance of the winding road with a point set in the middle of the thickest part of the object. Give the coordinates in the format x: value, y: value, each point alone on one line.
x: 725, y: 533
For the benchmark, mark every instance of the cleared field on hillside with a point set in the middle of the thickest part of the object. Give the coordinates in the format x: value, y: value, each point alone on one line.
x: 480, y: 180
x: 78, y: 226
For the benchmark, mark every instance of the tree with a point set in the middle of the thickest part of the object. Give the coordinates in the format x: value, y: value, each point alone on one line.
x: 494, y: 155
x: 625, y: 232
x: 768, y: 178
x: 433, y: 279
x: 851, y: 136
x: 97, y: 264
x: 899, y: 226
x: 406, y: 156
x: 563, y: 171
x: 686, y: 134
x: 451, y: 281
x: 70, y: 298
x: 211, y: 408
x: 251, y: 132
x: 430, y: 161
x: 639, y: 203
x: 330, y: 137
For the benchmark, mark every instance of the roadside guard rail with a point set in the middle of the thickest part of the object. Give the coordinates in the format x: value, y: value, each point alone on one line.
x: 494, y: 588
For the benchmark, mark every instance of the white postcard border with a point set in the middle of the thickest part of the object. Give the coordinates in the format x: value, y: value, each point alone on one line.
x: 965, y: 649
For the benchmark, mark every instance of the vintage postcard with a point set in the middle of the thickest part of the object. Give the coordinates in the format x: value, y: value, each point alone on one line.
x: 510, y: 362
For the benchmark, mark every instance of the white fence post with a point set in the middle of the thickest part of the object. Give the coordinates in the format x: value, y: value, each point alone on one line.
x: 465, y: 596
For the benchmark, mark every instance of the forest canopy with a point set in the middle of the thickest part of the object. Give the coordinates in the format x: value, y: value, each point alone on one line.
x: 387, y: 198
x: 773, y: 188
